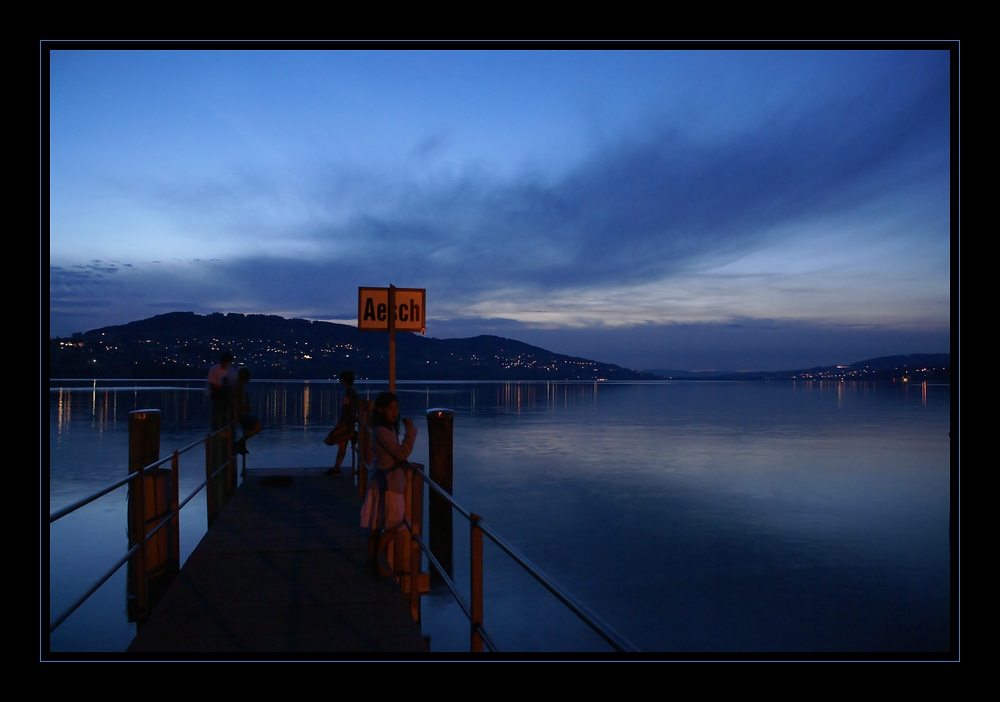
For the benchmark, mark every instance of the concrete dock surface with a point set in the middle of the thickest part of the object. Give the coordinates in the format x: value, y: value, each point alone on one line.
x: 281, y: 571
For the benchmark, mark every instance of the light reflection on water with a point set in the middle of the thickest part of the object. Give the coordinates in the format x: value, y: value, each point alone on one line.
x: 691, y: 516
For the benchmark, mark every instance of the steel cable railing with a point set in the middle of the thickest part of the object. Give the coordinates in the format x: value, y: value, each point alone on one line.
x: 473, y: 610
x: 140, y: 475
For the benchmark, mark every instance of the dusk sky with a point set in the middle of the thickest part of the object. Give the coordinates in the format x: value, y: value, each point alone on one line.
x: 735, y: 210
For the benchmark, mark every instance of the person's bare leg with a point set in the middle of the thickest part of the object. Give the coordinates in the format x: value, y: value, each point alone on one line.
x: 374, y: 538
x: 341, y: 452
x: 383, y: 545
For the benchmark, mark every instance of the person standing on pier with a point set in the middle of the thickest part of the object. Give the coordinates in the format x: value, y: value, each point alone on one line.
x: 385, y: 504
x: 344, y: 431
x: 221, y: 379
x: 241, y: 411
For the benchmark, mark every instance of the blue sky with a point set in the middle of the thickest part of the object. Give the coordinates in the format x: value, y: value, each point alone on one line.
x: 656, y: 209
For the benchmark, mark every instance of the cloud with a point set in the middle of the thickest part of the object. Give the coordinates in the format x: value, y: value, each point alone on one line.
x: 639, y: 211
x: 664, y: 218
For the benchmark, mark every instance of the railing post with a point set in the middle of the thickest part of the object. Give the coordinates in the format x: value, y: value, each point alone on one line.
x: 231, y: 479
x: 440, y: 438
x: 364, y: 445
x: 209, y: 496
x: 175, y: 521
x: 141, y: 580
x: 401, y: 542
x: 476, y: 584
x: 143, y: 449
x: 416, y: 557
x: 354, y: 454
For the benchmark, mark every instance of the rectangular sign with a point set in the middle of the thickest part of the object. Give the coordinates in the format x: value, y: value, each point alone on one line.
x: 411, y: 309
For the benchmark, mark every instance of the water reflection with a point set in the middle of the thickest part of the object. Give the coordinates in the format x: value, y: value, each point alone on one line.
x: 775, y: 516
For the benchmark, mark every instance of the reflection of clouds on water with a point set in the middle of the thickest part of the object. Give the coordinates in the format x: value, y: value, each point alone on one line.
x: 755, y: 502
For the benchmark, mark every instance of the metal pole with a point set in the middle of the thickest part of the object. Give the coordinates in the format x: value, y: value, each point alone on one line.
x: 392, y: 338
x: 143, y: 449
x: 476, y: 586
x: 416, y: 520
x: 175, y: 522
x: 440, y: 437
x: 230, y: 463
x: 364, y: 445
x: 209, y: 497
x: 141, y: 598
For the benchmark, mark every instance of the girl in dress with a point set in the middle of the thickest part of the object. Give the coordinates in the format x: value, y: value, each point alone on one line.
x: 385, y: 505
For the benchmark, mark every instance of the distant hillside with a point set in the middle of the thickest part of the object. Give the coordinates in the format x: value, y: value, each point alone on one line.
x: 918, y: 367
x: 186, y: 345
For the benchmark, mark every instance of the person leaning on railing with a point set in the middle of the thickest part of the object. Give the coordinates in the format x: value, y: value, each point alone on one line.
x: 385, y: 505
x: 344, y: 431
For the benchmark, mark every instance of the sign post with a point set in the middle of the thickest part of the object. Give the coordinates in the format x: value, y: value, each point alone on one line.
x: 392, y: 338
x: 389, y: 309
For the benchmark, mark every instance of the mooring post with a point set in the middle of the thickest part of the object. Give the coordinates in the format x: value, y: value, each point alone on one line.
x: 212, y: 509
x: 231, y: 480
x: 392, y: 338
x: 440, y: 438
x: 476, y: 582
x: 150, y: 498
x: 416, y: 556
x: 175, y: 522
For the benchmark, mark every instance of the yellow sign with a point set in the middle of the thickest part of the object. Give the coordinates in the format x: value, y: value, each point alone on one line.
x: 411, y: 309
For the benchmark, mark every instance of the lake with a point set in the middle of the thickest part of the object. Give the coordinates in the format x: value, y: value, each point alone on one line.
x: 692, y: 516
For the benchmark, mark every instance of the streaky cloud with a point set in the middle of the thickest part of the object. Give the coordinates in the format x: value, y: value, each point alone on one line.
x: 638, y: 211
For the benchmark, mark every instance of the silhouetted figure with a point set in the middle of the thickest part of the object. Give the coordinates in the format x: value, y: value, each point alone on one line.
x: 345, y: 431
x: 241, y: 411
x: 385, y: 505
x: 221, y: 379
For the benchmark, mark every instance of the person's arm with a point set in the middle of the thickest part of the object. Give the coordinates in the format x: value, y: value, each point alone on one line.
x: 214, y: 380
x: 386, y: 438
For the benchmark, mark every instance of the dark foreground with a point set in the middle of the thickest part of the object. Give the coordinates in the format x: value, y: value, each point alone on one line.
x: 281, y: 571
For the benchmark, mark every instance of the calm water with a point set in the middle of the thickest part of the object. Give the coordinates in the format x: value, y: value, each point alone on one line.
x: 691, y: 516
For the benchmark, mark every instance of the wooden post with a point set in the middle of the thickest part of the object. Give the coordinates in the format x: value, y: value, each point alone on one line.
x: 213, y: 512
x: 364, y: 445
x: 440, y: 437
x: 392, y: 338
x: 416, y: 557
x: 175, y: 522
x: 230, y: 471
x: 138, y: 561
x: 401, y: 542
x: 151, y: 497
x: 476, y: 584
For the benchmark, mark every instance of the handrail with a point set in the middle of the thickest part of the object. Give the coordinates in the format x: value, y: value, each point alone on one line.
x: 454, y: 591
x: 73, y: 506
x: 141, y: 545
x: 602, y: 628
x: 93, y: 588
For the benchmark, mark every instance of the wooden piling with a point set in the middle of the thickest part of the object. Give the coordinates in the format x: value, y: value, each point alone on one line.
x: 476, y: 582
x: 440, y: 437
x: 364, y: 445
x: 151, y: 496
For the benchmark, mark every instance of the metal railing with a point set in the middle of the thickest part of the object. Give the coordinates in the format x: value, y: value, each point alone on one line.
x: 474, y: 608
x: 138, y: 551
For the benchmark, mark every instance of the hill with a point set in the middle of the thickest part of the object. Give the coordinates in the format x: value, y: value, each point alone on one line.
x: 918, y: 367
x: 186, y: 345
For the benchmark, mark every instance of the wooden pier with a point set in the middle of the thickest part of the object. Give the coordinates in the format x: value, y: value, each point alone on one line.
x: 281, y: 571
